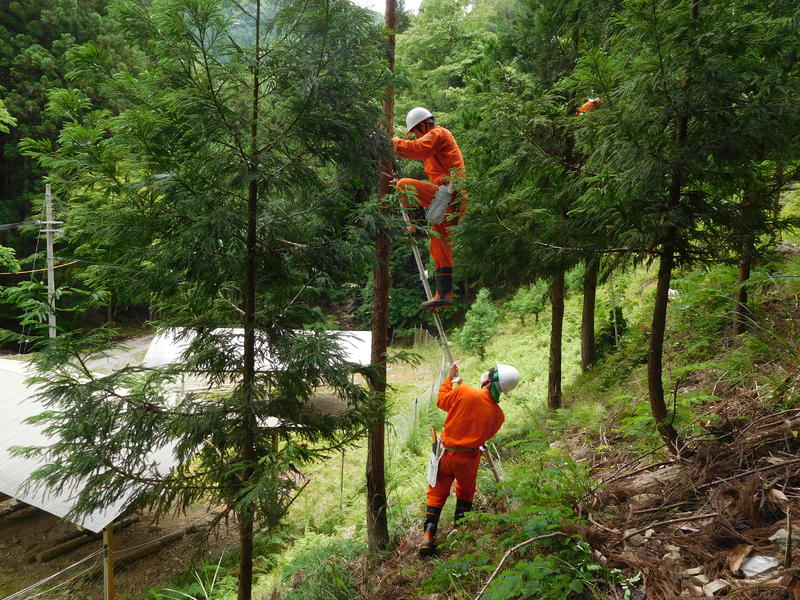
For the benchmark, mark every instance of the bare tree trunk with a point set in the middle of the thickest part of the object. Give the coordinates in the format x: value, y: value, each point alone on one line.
x: 377, y: 524
x: 556, y: 330
x: 741, y: 312
x: 588, y: 355
x: 245, y: 555
x: 655, y: 351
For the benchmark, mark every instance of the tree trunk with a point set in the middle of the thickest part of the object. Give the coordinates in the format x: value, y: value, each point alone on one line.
x: 245, y: 555
x: 588, y: 355
x: 247, y: 451
x: 655, y: 351
x: 556, y: 330
x: 377, y: 524
x: 741, y: 312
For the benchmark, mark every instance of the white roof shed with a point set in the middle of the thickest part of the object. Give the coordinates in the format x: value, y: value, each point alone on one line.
x: 168, y: 345
x: 18, y: 402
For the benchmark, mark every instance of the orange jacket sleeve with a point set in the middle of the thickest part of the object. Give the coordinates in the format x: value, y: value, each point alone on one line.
x: 418, y: 149
x: 447, y: 395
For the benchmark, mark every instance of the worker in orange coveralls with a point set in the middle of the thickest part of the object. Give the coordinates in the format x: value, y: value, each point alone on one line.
x: 590, y: 104
x: 441, y: 158
x: 473, y: 417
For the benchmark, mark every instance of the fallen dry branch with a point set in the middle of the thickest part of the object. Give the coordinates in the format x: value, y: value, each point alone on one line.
x: 748, y: 472
x: 635, y: 461
x: 755, y: 422
x: 749, y: 485
x: 670, y: 522
x: 514, y: 549
x: 640, y: 470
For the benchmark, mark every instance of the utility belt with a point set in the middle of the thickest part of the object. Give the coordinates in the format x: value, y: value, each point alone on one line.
x: 461, y: 449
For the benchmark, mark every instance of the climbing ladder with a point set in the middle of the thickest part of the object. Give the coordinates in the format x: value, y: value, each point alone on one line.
x: 440, y: 328
x: 421, y: 267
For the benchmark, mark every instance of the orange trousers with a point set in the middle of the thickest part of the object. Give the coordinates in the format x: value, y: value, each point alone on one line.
x: 461, y: 466
x: 415, y: 192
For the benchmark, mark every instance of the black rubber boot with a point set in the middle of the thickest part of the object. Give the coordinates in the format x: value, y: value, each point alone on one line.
x: 462, y: 507
x: 444, y: 289
x: 427, y: 546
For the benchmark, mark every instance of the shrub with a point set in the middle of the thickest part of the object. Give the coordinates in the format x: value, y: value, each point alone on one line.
x: 529, y: 300
x: 317, y: 568
x: 480, y: 324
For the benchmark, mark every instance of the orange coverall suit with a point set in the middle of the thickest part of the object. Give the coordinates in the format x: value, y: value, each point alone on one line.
x: 441, y: 158
x: 473, y: 417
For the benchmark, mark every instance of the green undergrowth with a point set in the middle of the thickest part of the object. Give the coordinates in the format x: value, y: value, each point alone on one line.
x: 606, y: 415
x: 535, y: 502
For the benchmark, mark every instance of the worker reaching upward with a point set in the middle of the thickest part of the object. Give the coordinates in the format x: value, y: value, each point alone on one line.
x: 473, y: 417
x: 441, y: 158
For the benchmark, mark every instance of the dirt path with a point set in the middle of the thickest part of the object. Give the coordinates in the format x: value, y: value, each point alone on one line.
x: 26, y: 533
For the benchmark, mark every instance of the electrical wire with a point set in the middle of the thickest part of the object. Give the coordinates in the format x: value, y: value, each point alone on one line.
x: 63, y: 583
x: 53, y: 576
x: 5, y: 226
x: 23, y: 343
x: 94, y: 554
x: 67, y: 264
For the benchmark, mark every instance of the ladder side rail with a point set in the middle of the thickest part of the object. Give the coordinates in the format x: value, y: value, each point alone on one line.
x: 417, y: 257
x: 421, y: 268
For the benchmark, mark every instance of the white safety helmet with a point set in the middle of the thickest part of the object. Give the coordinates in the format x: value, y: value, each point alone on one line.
x: 416, y: 116
x: 507, y: 377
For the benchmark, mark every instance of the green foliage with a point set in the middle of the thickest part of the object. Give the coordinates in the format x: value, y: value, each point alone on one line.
x: 529, y: 300
x: 701, y: 309
x: 224, y: 187
x: 6, y: 120
x: 610, y: 332
x: 318, y: 567
x: 8, y: 259
x: 480, y: 324
x: 406, y: 292
x: 31, y: 301
x: 542, y: 495
x: 35, y: 37
x: 438, y: 49
x: 668, y: 140
x: 208, y: 584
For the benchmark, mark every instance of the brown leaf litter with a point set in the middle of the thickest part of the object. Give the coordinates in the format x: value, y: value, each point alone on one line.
x: 704, y: 524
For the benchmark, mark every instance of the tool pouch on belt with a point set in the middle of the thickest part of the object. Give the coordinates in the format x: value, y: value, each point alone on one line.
x: 441, y: 200
x: 437, y: 450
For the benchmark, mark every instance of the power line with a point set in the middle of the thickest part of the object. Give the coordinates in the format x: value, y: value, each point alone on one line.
x: 37, y: 223
x: 53, y: 576
x: 67, y: 264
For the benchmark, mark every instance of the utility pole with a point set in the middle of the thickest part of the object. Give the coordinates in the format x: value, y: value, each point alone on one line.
x: 108, y: 562
x: 377, y: 524
x: 51, y: 279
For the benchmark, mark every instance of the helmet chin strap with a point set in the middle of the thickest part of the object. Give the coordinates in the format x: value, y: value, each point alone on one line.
x: 485, y: 378
x: 494, y: 390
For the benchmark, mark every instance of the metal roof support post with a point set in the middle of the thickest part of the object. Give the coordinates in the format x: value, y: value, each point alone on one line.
x: 108, y: 562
